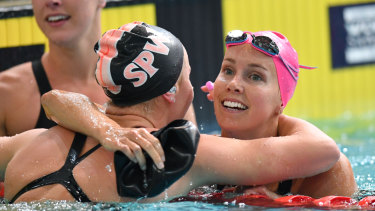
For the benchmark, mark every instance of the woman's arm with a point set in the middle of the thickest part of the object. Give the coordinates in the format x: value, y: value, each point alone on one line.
x: 76, y: 112
x: 301, y: 151
x: 304, y: 152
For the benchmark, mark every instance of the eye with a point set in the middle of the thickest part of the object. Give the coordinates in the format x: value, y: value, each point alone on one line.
x: 228, y: 71
x: 255, y: 77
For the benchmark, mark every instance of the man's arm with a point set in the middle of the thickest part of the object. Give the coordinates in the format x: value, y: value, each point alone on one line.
x: 76, y: 112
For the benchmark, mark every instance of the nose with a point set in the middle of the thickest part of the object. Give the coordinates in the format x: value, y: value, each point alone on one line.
x: 235, y: 86
x: 53, y: 3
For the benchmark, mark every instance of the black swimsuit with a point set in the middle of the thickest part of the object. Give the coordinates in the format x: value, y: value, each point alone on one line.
x: 44, y: 86
x: 284, y: 187
x: 64, y: 176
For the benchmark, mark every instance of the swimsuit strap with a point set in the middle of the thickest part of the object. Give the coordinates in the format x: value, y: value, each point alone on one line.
x: 284, y: 187
x: 43, y: 86
x: 41, y: 77
x: 64, y: 176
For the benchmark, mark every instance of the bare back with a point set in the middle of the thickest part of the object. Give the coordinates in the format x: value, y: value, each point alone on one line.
x: 46, y: 153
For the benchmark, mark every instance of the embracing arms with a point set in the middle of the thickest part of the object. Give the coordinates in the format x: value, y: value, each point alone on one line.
x: 76, y: 112
x: 302, y: 150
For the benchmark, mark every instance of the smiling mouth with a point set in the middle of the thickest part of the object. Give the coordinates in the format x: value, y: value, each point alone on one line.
x: 57, y: 18
x: 234, y: 105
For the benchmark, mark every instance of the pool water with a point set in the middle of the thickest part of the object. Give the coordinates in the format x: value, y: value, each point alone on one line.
x: 354, y: 135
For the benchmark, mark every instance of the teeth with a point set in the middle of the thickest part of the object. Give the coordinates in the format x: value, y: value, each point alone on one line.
x: 234, y: 105
x: 57, y: 18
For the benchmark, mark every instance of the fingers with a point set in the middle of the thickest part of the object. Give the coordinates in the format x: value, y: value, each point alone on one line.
x: 210, y: 85
x: 204, y: 88
x: 132, y: 141
x: 208, y: 88
x: 151, y: 145
x: 210, y: 97
x: 132, y: 150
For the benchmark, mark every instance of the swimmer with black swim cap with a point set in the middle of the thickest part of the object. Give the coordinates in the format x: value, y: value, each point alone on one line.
x: 138, y: 62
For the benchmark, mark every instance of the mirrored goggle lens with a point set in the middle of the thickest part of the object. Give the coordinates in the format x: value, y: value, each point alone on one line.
x: 235, y: 36
x: 266, y: 44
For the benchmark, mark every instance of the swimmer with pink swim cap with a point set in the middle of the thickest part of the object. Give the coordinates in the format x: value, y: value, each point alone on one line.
x: 277, y: 46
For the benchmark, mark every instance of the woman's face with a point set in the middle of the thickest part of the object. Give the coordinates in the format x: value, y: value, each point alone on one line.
x: 246, y: 94
x: 65, y: 20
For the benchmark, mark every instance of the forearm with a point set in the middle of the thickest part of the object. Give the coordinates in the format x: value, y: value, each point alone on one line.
x: 261, y: 161
x: 312, y: 146
x: 76, y: 112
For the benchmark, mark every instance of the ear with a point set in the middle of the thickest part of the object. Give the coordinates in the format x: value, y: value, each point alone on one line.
x: 281, y: 109
x: 102, y: 3
x: 170, y: 97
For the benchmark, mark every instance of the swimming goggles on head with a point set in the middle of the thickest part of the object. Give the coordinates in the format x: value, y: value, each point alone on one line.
x: 263, y: 44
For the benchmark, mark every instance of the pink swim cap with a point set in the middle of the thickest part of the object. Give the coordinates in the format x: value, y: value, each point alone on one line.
x: 286, y: 61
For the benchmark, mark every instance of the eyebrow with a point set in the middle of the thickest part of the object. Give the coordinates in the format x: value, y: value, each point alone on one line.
x: 251, y: 65
x: 257, y: 66
x: 230, y: 60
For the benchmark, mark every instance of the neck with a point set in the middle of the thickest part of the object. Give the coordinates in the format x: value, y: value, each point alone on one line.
x: 261, y: 131
x: 136, y: 117
x: 76, y: 57
x: 132, y: 121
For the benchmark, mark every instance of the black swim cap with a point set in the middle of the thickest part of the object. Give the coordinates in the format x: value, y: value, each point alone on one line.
x: 138, y: 62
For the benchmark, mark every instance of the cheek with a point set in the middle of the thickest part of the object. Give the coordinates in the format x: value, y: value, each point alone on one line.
x: 219, y: 85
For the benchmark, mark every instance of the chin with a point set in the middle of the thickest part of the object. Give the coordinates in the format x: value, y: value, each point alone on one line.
x: 229, y: 126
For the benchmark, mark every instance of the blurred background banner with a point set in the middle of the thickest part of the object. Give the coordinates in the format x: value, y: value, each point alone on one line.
x: 337, y: 36
x: 352, y: 35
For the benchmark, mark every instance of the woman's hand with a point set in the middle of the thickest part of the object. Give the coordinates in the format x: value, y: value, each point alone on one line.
x: 209, y: 88
x: 131, y: 141
x: 76, y: 112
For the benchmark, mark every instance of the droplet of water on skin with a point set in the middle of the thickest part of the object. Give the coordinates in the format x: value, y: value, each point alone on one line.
x: 108, y: 167
x: 166, y: 194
